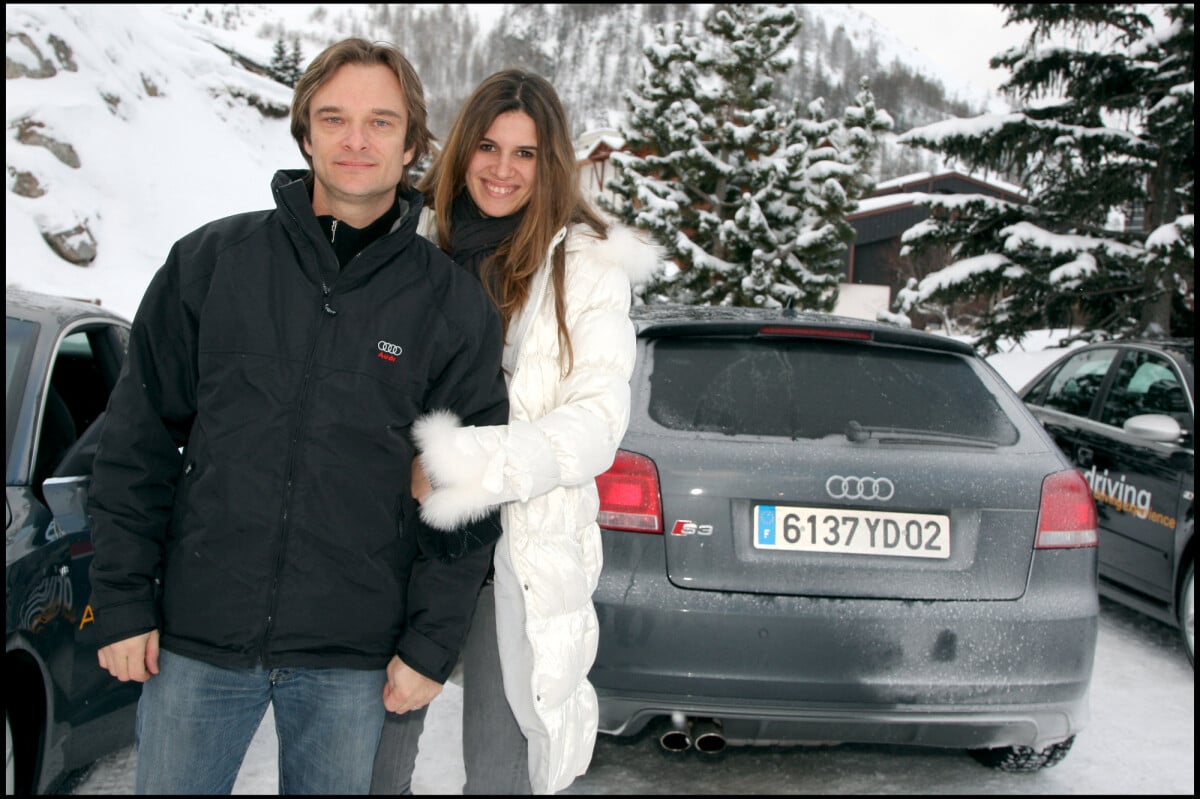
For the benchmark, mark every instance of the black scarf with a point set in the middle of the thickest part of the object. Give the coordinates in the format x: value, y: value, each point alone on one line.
x: 473, y: 236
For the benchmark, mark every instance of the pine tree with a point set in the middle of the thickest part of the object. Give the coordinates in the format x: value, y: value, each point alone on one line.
x: 748, y: 196
x: 295, y: 62
x: 279, y: 60
x: 1102, y: 131
x: 287, y: 65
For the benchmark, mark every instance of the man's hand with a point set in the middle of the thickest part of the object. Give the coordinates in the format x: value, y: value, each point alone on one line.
x: 406, y: 689
x: 134, y: 658
x: 421, y: 487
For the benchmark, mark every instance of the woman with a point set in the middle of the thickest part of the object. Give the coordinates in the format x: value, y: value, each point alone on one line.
x: 505, y: 202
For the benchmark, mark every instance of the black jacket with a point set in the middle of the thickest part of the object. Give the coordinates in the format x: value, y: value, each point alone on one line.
x: 284, y: 533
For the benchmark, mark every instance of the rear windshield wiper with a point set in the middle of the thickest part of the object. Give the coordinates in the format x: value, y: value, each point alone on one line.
x: 857, y: 433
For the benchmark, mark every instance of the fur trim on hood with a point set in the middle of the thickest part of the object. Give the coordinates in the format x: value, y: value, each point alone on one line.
x: 626, y: 248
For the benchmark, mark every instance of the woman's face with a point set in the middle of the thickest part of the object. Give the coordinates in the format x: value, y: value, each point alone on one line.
x: 500, y: 174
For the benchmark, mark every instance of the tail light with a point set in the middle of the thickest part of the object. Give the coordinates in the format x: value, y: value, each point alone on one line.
x: 1067, y: 515
x: 629, y: 495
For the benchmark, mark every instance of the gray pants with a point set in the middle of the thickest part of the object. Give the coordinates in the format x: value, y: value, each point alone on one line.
x: 495, y: 753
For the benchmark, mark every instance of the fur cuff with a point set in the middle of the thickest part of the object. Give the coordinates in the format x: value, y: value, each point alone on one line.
x: 460, y: 470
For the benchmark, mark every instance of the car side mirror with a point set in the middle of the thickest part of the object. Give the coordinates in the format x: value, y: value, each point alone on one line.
x: 1153, y: 427
x: 67, y: 498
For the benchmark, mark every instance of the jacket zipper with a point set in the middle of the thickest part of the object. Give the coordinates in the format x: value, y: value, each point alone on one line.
x: 284, y: 521
x: 529, y: 314
x: 328, y: 310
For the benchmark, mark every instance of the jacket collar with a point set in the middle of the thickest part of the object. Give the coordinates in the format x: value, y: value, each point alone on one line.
x: 294, y: 203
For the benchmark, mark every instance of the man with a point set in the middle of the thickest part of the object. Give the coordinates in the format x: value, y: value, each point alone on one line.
x: 256, y: 539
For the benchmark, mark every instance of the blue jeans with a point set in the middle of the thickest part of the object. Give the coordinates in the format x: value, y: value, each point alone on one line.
x: 195, y: 722
x: 495, y: 752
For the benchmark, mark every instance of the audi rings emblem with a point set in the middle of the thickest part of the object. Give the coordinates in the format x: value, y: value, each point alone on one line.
x: 389, y: 348
x: 879, y: 488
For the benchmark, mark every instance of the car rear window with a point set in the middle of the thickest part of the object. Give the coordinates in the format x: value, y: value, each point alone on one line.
x: 813, y: 388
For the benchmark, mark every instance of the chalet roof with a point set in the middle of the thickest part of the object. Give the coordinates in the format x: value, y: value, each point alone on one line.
x: 948, y: 181
x: 595, y: 145
x: 899, y: 193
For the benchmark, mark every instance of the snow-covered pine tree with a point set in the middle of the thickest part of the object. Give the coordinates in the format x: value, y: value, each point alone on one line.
x: 833, y: 173
x: 745, y: 194
x: 279, y: 60
x: 661, y: 127
x: 1102, y: 132
x: 295, y: 62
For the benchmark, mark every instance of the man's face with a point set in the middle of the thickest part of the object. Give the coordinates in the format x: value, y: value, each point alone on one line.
x: 357, y: 123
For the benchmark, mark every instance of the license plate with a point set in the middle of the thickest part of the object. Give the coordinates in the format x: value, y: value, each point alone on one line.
x: 849, y: 531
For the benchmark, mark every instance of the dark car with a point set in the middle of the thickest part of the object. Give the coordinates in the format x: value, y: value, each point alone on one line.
x: 1124, y: 411
x: 61, y: 710
x: 824, y: 530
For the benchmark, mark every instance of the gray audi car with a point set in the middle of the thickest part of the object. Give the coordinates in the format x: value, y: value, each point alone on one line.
x: 825, y: 530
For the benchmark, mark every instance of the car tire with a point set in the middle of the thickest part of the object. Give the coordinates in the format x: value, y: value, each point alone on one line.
x: 1187, y: 611
x: 1018, y: 759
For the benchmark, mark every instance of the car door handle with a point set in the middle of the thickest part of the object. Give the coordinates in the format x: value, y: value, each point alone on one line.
x: 1084, y: 455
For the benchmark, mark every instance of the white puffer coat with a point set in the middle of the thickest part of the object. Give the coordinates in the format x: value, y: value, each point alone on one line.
x: 563, y: 431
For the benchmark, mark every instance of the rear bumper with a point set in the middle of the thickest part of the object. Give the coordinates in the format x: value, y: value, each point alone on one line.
x: 796, y: 669
x: 962, y: 727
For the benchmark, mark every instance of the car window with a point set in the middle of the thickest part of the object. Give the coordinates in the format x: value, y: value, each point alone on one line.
x: 1146, y: 382
x: 1074, y: 387
x: 20, y: 336
x: 84, y: 372
x: 813, y: 389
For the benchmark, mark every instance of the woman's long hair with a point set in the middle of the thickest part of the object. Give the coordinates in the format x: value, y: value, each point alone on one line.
x: 556, y: 199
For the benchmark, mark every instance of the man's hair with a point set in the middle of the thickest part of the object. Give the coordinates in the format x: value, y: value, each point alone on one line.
x: 556, y: 199
x: 362, y: 52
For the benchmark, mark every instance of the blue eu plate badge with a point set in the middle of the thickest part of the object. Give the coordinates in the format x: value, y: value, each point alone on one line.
x: 765, y: 515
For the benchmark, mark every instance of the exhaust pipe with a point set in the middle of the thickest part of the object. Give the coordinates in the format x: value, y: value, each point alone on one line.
x: 707, y: 736
x: 679, y: 737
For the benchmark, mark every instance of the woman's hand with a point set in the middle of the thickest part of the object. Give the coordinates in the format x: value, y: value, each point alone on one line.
x: 421, y: 487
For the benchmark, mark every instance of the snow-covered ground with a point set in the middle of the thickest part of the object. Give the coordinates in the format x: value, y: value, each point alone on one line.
x: 1140, y: 741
